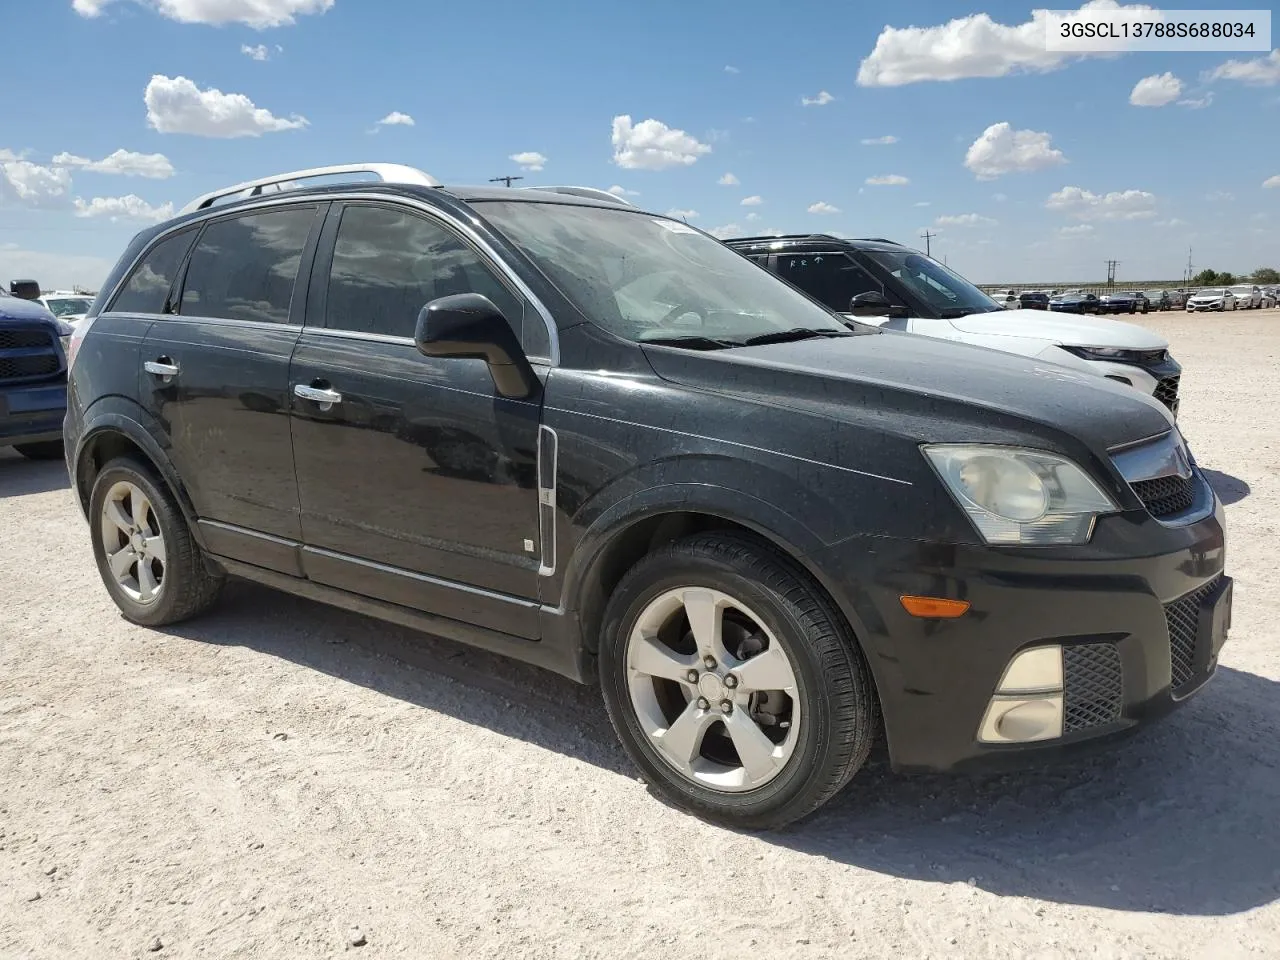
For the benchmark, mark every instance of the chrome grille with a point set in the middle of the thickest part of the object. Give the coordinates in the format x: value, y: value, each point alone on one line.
x: 1183, y: 619
x: 1094, y: 689
x: 1166, y: 496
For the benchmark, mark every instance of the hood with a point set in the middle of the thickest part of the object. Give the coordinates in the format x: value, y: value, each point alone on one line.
x: 17, y: 309
x: 925, y: 388
x: 1072, y: 330
x: 1207, y: 296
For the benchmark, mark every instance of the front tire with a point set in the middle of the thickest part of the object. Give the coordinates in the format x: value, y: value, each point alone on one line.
x: 733, y: 683
x: 48, y: 450
x: 151, y: 565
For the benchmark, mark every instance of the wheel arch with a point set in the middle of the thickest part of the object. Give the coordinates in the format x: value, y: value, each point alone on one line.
x: 112, y: 433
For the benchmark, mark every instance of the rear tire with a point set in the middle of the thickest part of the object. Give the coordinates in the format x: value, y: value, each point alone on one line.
x: 792, y: 693
x: 48, y: 450
x: 151, y: 565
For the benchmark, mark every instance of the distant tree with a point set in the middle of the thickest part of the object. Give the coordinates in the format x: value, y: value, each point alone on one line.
x: 1266, y: 275
x: 1225, y: 279
x: 1205, y: 278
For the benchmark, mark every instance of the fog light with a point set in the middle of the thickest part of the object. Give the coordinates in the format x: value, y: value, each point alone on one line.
x: 1038, y: 670
x: 1019, y: 720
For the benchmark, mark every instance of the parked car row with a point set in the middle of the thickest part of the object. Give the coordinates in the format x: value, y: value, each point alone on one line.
x: 770, y: 519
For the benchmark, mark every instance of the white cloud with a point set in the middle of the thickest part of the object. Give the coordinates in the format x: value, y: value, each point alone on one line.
x: 879, y: 141
x: 60, y: 271
x: 1260, y: 71
x: 821, y: 100
x: 529, y: 160
x: 32, y: 184
x: 728, y: 180
x: 753, y: 217
x: 1000, y: 197
x: 1171, y: 222
x: 1197, y: 103
x: 922, y: 203
x: 683, y: 214
x: 1271, y: 182
x: 260, y: 53
x: 823, y: 207
x: 729, y: 68
x: 125, y: 163
x: 253, y: 13
x: 652, y: 145
x: 723, y: 233
x: 1078, y: 232
x: 972, y: 46
x: 888, y: 180
x: 964, y: 220
x: 1085, y: 205
x: 1157, y: 90
x: 177, y: 105
x: 1002, y: 149
x: 130, y: 207
x: 396, y: 119
x: 620, y: 191
x: 1219, y: 196
x: 753, y: 201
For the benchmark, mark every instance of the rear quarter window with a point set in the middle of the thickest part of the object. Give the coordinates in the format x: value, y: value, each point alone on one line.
x: 147, y: 289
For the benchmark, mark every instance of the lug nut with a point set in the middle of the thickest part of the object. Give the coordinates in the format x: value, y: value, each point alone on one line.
x: 726, y: 706
x: 703, y: 704
x: 692, y: 676
x: 709, y: 662
x: 731, y: 681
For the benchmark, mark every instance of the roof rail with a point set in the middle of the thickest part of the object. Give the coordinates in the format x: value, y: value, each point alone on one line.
x: 785, y: 236
x: 385, y: 172
x: 591, y: 193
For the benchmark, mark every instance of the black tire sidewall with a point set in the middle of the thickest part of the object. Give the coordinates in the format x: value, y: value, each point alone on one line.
x: 790, y: 786
x: 172, y: 526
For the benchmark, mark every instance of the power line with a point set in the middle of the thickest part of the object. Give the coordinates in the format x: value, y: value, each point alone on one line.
x: 926, y: 237
x: 506, y: 180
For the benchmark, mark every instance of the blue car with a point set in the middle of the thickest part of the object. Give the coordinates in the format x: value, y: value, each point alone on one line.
x: 33, y: 375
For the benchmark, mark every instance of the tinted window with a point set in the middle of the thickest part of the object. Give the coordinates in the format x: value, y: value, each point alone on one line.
x: 148, y: 287
x: 244, y: 268
x: 387, y: 264
x: 832, y: 278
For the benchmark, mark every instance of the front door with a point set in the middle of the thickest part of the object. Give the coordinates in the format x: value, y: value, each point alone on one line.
x: 417, y: 481
x: 217, y: 374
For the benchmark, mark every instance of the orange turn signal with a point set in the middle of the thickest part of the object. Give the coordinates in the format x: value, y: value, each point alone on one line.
x: 935, y: 607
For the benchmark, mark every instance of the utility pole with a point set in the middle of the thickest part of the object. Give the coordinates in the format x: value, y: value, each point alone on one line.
x: 926, y: 237
x: 506, y: 180
x: 1189, y: 268
x: 1111, y: 272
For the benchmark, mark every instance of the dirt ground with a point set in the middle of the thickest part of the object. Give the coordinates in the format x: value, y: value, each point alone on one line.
x: 260, y: 782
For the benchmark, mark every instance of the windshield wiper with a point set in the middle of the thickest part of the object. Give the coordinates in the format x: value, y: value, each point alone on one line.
x: 795, y: 333
x: 692, y: 342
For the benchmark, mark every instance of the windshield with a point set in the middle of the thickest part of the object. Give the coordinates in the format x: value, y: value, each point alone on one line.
x: 1212, y: 292
x: 943, y: 289
x: 1242, y: 291
x: 68, y: 306
x: 647, y: 279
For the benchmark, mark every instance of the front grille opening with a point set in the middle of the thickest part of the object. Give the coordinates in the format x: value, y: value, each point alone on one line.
x: 1183, y: 619
x: 1094, y: 686
x: 1167, y: 392
x: 1166, y: 496
x: 24, y: 339
x: 14, y: 368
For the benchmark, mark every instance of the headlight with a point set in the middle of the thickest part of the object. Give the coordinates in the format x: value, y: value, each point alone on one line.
x: 65, y: 330
x: 1099, y: 353
x: 1019, y: 496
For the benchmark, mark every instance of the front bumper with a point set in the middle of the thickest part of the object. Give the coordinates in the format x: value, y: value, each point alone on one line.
x: 32, y: 412
x: 1129, y: 595
x: 1205, y: 307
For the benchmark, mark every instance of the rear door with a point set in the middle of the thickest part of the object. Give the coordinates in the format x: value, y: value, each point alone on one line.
x: 216, y: 372
x: 418, y: 482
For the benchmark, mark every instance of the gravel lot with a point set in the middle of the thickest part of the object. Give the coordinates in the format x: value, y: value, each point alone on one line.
x: 259, y: 782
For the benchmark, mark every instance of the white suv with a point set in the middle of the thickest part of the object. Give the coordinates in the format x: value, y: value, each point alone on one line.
x: 893, y: 286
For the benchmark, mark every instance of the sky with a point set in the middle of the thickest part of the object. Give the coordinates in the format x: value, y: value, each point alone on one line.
x: 858, y: 119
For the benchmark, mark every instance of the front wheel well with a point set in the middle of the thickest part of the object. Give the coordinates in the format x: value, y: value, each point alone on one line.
x: 97, y: 453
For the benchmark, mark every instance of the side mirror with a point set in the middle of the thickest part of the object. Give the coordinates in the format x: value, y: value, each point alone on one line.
x: 470, y: 326
x: 25, y: 289
x: 873, y: 303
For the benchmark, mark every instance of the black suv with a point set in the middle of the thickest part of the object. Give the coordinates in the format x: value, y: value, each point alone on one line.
x: 598, y: 440
x: 33, y: 374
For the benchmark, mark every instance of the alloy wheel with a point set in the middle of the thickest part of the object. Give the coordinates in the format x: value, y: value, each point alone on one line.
x: 132, y: 542
x: 713, y: 690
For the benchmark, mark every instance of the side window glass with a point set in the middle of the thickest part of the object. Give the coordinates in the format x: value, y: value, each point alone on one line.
x: 388, y: 264
x: 245, y: 268
x: 147, y: 290
x: 832, y: 278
